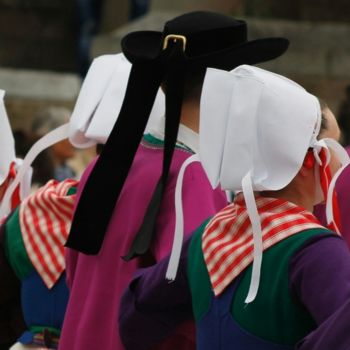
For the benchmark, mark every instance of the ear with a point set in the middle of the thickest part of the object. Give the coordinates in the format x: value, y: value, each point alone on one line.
x: 309, y: 161
x: 308, y: 164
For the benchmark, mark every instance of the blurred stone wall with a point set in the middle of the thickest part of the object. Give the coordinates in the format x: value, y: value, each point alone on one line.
x: 318, y: 56
x: 114, y: 14
x: 41, y: 35
x: 37, y: 57
x: 301, y: 10
x: 38, y: 34
x: 225, y: 6
x: 28, y: 92
x: 38, y: 53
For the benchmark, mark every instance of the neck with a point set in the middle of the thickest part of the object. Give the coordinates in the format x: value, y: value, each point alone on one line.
x: 190, y: 115
x: 300, y: 191
x: 293, y: 195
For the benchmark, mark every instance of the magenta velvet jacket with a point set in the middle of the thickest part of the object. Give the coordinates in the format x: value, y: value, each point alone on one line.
x: 97, y: 282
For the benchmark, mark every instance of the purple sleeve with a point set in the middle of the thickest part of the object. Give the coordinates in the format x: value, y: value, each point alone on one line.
x: 320, y: 278
x: 152, y: 308
x: 331, y: 334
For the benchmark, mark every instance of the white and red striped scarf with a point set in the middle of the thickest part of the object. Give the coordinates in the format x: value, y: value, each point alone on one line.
x: 45, y: 219
x: 227, y: 241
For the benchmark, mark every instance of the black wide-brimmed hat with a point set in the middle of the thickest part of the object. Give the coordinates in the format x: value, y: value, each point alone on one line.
x: 207, y: 38
x: 192, y: 41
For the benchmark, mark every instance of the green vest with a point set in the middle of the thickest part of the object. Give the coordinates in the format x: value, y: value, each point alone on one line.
x: 275, y: 314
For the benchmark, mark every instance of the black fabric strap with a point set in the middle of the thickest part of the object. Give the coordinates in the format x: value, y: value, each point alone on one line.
x: 176, y: 72
x: 102, y: 189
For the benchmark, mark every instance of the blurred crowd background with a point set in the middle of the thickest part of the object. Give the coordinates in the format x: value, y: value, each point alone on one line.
x: 46, y: 48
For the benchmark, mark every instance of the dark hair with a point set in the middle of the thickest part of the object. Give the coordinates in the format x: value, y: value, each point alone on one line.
x: 323, y: 106
x: 193, y: 84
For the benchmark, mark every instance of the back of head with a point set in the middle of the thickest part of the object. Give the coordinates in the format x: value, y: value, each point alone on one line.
x: 192, y: 86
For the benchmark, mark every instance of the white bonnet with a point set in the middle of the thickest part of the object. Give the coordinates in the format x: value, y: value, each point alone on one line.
x: 255, y: 121
x: 100, y: 100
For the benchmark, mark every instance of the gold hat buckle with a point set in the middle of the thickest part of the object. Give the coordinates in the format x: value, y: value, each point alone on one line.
x: 175, y: 38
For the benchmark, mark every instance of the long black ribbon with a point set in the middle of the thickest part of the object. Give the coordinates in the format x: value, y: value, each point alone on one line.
x: 102, y: 189
x: 175, y: 78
